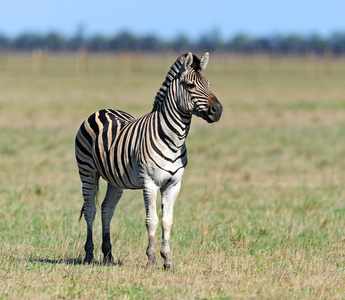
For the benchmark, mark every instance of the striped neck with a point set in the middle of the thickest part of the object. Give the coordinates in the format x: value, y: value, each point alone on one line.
x: 173, y: 124
x: 173, y: 73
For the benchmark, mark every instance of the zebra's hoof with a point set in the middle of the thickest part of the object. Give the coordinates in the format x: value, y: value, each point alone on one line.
x: 108, y: 260
x: 169, y: 267
x: 88, y: 260
x: 151, y: 265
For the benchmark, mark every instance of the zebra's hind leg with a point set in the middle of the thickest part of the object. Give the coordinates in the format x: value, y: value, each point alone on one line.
x: 90, y: 188
x: 169, y: 195
x: 111, y: 199
x: 150, y: 191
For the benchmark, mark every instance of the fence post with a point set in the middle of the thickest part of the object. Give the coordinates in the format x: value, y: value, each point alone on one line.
x: 329, y: 58
x: 310, y: 63
x: 82, y: 61
x: 2, y: 61
x: 37, y: 61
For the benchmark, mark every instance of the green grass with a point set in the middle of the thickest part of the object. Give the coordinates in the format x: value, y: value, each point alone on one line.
x: 261, y: 208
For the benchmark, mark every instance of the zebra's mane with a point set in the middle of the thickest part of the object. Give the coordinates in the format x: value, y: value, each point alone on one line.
x: 174, y: 72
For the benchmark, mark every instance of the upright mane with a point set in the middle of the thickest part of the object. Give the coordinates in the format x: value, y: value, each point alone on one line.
x: 174, y: 72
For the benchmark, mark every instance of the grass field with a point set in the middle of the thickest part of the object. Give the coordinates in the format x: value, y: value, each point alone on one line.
x: 261, y: 212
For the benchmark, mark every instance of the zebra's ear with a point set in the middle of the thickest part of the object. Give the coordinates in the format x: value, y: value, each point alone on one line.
x: 188, y: 61
x: 204, y: 60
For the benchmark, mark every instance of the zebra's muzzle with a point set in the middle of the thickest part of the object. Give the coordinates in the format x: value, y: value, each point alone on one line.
x: 214, y: 111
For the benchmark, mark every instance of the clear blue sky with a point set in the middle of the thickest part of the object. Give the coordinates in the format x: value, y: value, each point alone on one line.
x: 167, y: 18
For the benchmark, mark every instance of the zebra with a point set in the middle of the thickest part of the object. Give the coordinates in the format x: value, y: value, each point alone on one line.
x: 147, y: 153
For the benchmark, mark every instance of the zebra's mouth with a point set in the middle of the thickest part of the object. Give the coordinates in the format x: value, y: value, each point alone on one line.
x: 211, y: 118
x: 213, y: 113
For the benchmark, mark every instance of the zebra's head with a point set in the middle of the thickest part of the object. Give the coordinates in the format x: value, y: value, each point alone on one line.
x: 195, y: 94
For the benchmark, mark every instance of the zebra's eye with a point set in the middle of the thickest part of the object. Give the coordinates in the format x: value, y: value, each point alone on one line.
x: 190, y: 86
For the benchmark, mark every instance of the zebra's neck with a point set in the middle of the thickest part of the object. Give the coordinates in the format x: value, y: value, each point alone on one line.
x: 173, y: 73
x: 172, y: 121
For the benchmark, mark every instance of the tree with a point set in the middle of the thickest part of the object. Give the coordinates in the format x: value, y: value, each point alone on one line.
x: 316, y: 44
x: 337, y: 42
x: 293, y: 43
x: 210, y: 41
x: 181, y: 43
x: 4, y: 41
x: 151, y: 43
x: 55, y: 42
x: 79, y: 40
x: 98, y: 43
x: 124, y: 41
x: 241, y: 43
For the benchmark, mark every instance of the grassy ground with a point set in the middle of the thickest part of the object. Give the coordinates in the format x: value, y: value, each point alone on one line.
x: 261, y: 213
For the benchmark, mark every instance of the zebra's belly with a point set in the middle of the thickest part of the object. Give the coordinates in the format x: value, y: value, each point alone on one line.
x: 161, y: 174
x: 120, y: 175
x: 123, y: 182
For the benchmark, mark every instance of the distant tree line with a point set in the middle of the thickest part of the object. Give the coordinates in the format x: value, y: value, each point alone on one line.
x: 211, y: 41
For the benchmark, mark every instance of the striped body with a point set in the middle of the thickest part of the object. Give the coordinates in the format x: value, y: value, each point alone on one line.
x: 148, y: 153
x: 124, y: 150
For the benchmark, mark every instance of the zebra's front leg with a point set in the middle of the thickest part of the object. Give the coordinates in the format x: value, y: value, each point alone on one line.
x: 169, y: 195
x: 111, y: 199
x: 150, y: 191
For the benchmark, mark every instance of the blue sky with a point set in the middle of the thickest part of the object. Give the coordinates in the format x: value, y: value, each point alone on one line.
x: 167, y: 19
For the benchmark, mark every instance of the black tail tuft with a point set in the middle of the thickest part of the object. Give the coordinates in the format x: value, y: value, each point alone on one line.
x: 81, y: 213
x: 98, y: 193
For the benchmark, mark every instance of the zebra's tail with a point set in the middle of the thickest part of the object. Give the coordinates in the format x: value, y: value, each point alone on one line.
x: 81, y: 213
x: 96, y: 200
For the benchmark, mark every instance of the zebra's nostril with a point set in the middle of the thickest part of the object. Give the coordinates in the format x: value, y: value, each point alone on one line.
x: 213, y: 110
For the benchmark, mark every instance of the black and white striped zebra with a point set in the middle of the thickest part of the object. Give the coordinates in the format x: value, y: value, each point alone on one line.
x: 148, y: 153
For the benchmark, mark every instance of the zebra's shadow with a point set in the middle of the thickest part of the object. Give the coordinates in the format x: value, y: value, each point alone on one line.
x: 73, y: 261
x: 65, y: 261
